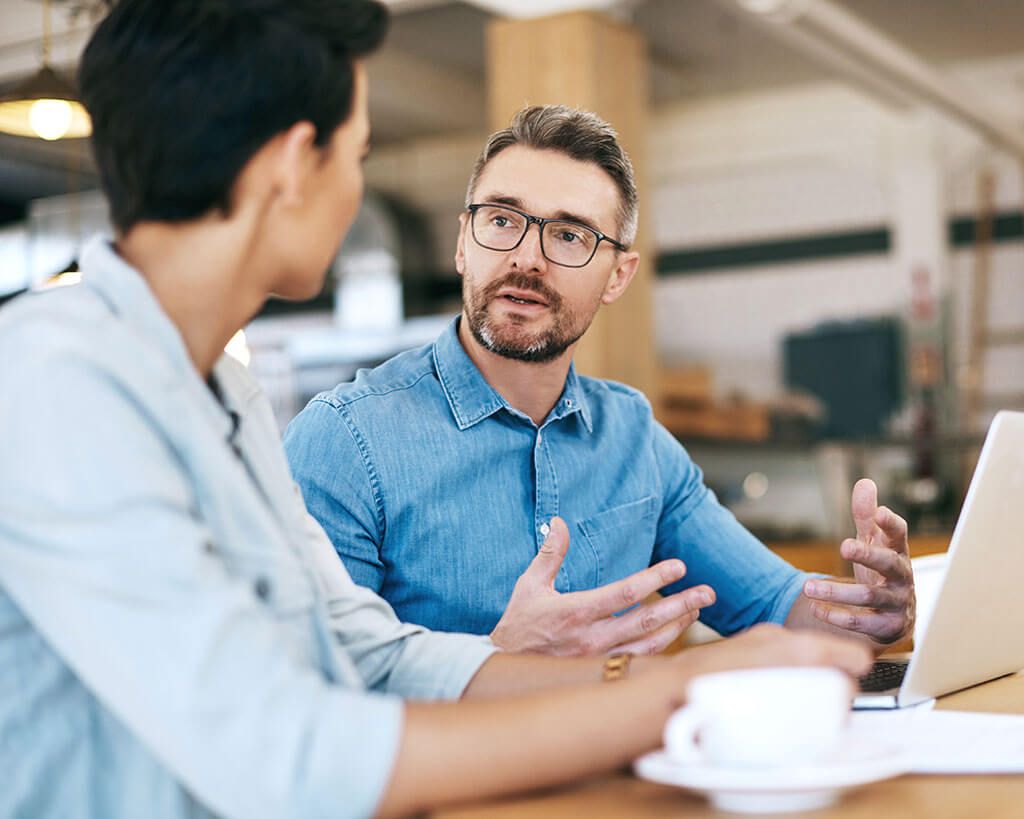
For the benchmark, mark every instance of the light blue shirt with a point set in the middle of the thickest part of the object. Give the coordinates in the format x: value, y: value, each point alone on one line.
x: 177, y: 636
x: 437, y: 494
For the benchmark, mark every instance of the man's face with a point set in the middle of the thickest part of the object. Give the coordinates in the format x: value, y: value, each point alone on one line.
x: 516, y: 303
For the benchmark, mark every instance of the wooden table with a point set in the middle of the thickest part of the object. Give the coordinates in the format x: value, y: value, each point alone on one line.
x: 969, y: 796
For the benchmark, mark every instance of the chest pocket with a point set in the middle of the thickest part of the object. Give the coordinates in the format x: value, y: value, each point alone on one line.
x: 622, y: 538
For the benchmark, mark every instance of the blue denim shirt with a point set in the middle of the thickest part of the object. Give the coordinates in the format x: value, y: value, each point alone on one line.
x: 177, y: 636
x: 436, y: 493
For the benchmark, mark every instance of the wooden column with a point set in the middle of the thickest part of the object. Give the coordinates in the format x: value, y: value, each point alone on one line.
x: 587, y: 60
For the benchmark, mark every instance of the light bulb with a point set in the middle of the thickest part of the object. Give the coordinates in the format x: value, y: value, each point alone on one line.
x: 50, y: 118
x: 763, y: 6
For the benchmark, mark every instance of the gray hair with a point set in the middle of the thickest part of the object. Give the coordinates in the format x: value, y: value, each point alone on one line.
x: 578, y: 134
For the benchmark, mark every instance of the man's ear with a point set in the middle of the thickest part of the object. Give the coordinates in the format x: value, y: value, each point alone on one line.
x: 620, y: 277
x: 296, y: 162
x: 460, y: 246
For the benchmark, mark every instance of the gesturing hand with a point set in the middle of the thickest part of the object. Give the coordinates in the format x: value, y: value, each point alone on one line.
x: 880, y: 602
x: 541, y: 620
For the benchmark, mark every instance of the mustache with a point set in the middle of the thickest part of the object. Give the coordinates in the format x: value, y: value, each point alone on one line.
x: 521, y: 281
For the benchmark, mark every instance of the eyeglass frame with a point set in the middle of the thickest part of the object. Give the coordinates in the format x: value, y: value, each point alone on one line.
x: 537, y: 220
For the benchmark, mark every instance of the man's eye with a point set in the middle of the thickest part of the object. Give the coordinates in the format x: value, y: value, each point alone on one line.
x: 569, y: 237
x: 500, y: 221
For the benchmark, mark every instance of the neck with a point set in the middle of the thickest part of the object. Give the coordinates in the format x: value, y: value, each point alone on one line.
x: 200, y: 273
x: 533, y: 388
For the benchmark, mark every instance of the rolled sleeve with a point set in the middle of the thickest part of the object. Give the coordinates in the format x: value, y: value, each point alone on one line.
x: 752, y: 584
x: 391, y: 656
x: 126, y: 584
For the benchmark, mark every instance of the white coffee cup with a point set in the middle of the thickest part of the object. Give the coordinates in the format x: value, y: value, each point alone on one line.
x: 760, y: 717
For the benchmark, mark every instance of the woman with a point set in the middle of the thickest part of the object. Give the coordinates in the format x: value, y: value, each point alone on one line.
x: 177, y: 637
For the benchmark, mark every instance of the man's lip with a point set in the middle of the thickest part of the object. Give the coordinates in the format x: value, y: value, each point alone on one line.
x: 526, y: 295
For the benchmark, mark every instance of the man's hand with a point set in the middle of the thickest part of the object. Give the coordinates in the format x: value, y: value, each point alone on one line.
x: 880, y: 602
x: 541, y: 620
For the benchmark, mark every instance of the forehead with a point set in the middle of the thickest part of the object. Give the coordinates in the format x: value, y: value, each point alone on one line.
x: 549, y: 183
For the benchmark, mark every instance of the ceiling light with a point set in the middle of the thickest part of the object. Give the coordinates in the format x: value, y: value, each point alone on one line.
x: 45, y: 105
x: 524, y: 9
x: 764, y: 6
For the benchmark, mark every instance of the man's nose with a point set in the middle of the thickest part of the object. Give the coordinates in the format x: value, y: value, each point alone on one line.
x: 528, y: 255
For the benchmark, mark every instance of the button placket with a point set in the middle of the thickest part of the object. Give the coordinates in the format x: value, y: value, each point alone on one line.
x: 546, y: 499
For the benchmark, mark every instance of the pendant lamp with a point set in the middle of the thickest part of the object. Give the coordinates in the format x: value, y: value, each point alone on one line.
x: 45, y: 105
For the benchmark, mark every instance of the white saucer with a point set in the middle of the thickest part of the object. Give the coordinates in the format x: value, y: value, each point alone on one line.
x: 777, y: 789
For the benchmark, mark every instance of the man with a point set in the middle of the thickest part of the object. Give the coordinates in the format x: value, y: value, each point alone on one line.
x: 443, y: 476
x: 177, y: 636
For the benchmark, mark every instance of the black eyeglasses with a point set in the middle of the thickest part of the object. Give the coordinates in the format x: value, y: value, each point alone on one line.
x: 569, y: 244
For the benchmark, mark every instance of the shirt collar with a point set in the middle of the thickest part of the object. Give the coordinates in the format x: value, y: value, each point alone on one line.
x: 469, y: 395
x: 574, y: 399
x: 472, y: 399
x: 128, y: 296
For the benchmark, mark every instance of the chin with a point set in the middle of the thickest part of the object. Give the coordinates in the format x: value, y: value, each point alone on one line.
x: 299, y: 290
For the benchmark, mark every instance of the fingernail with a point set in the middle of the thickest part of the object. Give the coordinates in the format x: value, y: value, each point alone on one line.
x: 811, y: 588
x: 705, y: 599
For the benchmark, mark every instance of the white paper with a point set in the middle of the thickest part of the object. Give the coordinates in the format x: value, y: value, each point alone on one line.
x: 947, y: 742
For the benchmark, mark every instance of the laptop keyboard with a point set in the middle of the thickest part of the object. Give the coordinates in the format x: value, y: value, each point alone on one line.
x: 883, y: 676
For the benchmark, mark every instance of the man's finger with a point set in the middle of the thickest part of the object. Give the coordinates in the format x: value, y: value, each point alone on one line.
x: 648, y: 620
x: 889, y: 563
x: 545, y: 565
x: 661, y: 639
x: 626, y: 593
x: 883, y: 626
x: 855, y: 594
x: 864, y: 504
x: 894, y: 528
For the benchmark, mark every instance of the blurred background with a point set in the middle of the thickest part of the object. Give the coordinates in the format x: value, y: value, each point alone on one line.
x: 831, y: 222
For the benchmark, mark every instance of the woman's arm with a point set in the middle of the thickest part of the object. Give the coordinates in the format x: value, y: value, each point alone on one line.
x: 489, y: 744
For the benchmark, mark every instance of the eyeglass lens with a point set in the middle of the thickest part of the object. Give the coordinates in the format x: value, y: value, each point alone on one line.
x: 566, y: 243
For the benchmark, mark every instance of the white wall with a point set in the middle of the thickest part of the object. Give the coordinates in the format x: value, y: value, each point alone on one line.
x: 816, y: 160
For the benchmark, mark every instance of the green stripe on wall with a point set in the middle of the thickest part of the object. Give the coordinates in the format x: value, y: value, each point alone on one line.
x: 1006, y: 227
x: 779, y: 251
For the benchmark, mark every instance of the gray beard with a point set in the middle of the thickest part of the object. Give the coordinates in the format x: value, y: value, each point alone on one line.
x: 540, y: 349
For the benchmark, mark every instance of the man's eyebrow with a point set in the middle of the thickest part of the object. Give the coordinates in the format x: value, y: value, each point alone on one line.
x: 563, y: 215
x: 511, y: 201
x: 568, y: 216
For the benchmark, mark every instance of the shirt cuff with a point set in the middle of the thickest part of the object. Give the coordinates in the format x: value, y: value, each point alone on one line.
x: 790, y: 592
x: 439, y: 665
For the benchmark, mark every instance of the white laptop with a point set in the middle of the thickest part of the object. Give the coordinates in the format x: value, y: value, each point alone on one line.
x: 974, y: 633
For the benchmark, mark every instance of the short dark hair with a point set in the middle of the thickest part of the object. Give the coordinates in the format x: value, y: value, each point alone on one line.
x: 182, y: 94
x: 578, y: 134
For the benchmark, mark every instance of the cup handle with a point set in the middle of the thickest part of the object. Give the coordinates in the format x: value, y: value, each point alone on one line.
x: 683, y: 726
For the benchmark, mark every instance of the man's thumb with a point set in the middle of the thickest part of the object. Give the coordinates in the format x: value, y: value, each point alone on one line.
x: 864, y: 505
x: 545, y: 565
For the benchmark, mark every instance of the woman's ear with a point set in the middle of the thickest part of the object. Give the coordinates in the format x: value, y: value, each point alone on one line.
x: 296, y: 161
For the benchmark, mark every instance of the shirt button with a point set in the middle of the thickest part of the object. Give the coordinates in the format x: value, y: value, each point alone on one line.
x: 544, y: 529
x: 262, y: 588
x: 568, y: 402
